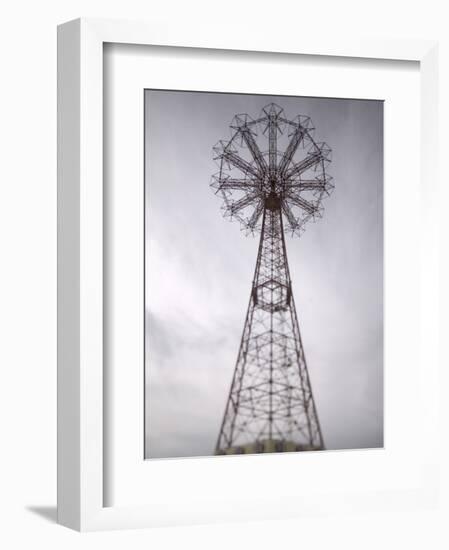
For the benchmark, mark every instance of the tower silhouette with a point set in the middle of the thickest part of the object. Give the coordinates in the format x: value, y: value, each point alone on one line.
x: 272, y: 178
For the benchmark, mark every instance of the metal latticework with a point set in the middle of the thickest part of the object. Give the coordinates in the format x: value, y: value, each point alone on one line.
x: 272, y: 179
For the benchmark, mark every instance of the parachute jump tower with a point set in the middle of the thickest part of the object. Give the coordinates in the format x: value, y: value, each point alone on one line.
x: 272, y: 179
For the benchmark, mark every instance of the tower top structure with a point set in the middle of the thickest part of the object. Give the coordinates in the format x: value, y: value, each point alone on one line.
x: 272, y: 162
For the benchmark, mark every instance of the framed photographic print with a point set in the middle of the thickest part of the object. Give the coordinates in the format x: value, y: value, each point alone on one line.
x: 240, y: 250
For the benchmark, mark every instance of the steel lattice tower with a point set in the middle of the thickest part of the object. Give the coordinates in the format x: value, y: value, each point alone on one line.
x: 272, y: 178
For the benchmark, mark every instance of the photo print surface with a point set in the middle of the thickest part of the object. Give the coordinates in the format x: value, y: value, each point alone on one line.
x: 263, y: 274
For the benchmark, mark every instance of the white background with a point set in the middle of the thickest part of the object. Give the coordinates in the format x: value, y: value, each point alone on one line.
x: 28, y: 273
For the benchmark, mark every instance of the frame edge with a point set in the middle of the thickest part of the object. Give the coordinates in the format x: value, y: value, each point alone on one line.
x: 68, y: 278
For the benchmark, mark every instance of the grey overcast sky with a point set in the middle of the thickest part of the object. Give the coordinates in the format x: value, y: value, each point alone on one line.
x: 199, y: 268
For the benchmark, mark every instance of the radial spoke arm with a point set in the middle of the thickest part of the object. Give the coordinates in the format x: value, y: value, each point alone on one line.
x: 235, y: 184
x: 302, y: 203
x: 254, y: 148
x: 243, y: 202
x: 304, y: 165
x: 256, y: 121
x: 291, y: 149
x: 272, y: 140
x: 289, y: 215
x: 304, y: 185
x: 255, y: 215
x: 238, y: 162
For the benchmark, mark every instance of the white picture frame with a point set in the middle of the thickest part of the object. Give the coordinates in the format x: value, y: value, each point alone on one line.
x: 81, y: 409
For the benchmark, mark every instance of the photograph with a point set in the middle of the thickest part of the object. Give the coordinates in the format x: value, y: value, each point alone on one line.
x: 264, y: 262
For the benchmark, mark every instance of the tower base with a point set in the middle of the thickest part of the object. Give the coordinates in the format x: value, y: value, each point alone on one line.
x: 268, y: 446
